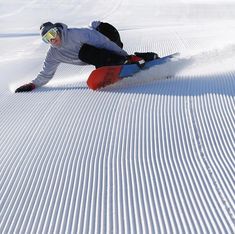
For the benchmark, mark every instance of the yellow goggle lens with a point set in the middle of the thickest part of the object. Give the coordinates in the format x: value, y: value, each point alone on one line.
x: 51, y: 34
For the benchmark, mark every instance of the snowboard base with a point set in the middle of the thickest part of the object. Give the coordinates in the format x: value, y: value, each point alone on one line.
x: 104, y: 76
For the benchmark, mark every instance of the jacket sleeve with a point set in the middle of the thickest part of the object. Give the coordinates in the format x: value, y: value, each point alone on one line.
x: 94, y: 38
x: 49, y: 68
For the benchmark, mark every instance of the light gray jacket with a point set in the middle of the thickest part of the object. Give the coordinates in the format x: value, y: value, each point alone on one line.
x: 72, y: 41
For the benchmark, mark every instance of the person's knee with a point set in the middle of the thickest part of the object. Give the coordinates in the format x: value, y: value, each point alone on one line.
x: 110, y: 32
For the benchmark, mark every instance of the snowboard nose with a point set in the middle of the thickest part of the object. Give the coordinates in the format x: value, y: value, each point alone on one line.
x: 104, y: 76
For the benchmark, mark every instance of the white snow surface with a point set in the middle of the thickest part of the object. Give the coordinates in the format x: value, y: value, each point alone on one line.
x: 151, y: 154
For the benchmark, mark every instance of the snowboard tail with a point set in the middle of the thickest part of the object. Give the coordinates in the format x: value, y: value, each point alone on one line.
x: 107, y: 75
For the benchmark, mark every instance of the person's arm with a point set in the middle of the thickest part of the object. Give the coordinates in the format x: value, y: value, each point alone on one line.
x: 49, y: 68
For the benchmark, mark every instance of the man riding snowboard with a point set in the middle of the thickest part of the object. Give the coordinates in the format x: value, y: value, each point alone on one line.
x: 98, y: 45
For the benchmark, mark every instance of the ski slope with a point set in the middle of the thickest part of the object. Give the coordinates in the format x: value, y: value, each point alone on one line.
x: 152, y: 154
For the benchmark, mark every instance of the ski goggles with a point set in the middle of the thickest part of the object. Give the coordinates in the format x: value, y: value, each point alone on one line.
x: 50, y: 35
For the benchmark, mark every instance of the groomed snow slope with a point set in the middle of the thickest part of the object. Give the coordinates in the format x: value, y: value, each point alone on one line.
x: 147, y: 155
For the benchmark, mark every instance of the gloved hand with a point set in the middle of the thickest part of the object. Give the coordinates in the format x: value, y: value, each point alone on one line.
x: 133, y: 59
x: 25, y: 88
x: 147, y: 56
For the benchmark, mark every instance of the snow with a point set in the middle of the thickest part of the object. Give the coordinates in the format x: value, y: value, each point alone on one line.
x: 151, y: 154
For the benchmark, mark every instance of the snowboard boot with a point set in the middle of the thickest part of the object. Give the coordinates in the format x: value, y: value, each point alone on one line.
x: 148, y: 56
x: 133, y: 59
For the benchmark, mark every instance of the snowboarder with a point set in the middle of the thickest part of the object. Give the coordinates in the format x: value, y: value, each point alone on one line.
x: 99, y: 45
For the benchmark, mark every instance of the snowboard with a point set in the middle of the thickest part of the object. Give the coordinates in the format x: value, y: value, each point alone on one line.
x: 107, y: 75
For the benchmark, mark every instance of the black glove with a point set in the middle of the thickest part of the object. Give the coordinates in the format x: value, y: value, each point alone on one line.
x: 26, y: 88
x: 147, y: 56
